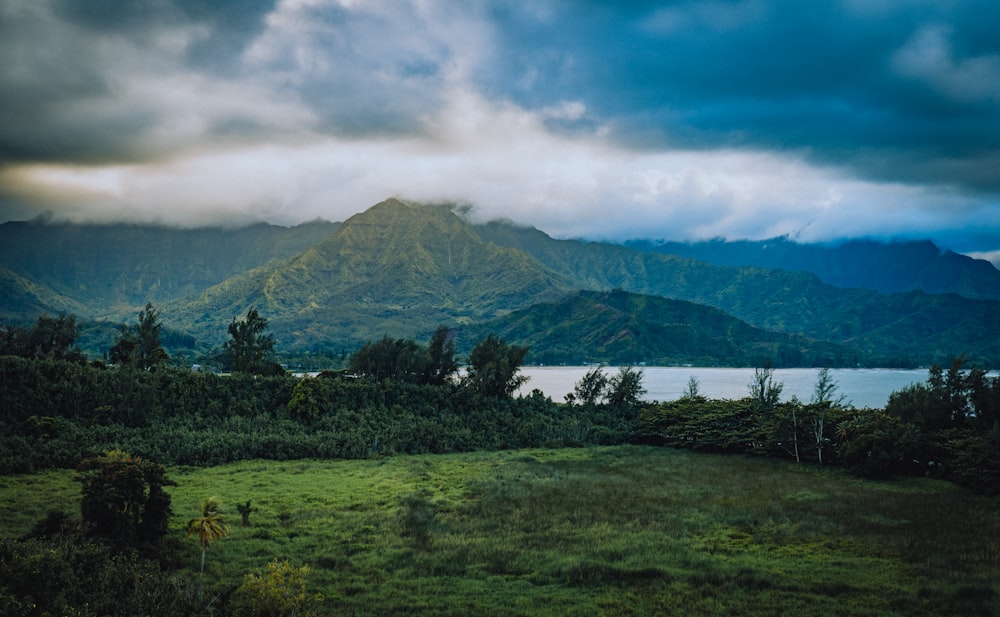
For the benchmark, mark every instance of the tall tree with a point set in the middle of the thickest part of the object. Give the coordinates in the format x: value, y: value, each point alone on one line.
x: 441, y: 360
x: 139, y: 345
x: 494, y: 366
x: 209, y: 527
x: 824, y: 399
x: 249, y: 348
x: 625, y: 389
x: 693, y: 389
x: 390, y: 359
x: 591, y: 389
x: 764, y: 391
x: 123, y: 498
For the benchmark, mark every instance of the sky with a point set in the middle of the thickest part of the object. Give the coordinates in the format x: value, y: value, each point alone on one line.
x: 679, y: 120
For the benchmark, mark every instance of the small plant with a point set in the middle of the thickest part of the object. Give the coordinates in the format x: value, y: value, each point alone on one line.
x: 285, y: 514
x: 417, y: 518
x: 245, y: 510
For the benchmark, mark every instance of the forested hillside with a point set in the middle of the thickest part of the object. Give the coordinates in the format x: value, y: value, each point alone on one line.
x: 107, y: 271
x: 622, y: 328
x: 394, y: 269
x: 402, y: 269
x: 893, y: 330
x: 893, y: 267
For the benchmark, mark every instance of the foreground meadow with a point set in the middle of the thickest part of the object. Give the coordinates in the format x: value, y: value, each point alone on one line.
x: 621, y: 530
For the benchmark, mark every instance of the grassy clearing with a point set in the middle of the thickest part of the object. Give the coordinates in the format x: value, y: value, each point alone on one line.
x: 609, y: 531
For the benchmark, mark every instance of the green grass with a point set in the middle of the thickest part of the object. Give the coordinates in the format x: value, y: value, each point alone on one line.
x: 603, y: 531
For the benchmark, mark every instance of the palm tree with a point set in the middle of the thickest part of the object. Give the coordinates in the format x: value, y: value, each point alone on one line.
x: 210, y: 527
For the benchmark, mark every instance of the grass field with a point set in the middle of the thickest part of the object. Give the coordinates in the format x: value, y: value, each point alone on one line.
x: 603, y: 531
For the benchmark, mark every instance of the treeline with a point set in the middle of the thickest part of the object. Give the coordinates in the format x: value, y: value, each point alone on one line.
x: 948, y: 427
x: 58, y: 412
x: 399, y: 396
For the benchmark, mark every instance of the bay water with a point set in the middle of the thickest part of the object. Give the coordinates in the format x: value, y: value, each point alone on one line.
x: 867, y: 387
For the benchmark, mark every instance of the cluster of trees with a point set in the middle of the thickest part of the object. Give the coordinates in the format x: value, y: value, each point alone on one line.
x: 948, y: 427
x: 407, y: 361
x: 493, y: 368
x: 52, y: 338
x: 955, y: 419
x: 397, y: 397
x: 140, y: 345
x: 117, y: 557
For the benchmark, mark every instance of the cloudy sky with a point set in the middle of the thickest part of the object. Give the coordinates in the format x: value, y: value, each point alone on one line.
x: 608, y: 120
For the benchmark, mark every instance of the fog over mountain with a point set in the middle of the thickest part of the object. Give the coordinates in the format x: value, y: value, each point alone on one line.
x: 402, y: 269
x: 679, y: 121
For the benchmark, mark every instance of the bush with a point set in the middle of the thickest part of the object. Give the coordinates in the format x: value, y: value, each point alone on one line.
x: 281, y: 590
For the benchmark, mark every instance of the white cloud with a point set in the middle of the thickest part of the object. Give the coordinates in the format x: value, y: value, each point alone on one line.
x: 502, y: 160
x: 928, y: 57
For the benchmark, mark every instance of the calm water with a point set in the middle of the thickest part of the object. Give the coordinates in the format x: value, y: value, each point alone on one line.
x: 862, y: 387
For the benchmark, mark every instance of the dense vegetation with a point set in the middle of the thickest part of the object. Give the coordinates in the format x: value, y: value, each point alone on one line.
x: 110, y: 269
x: 948, y: 427
x: 620, y: 328
x: 622, y: 529
x: 398, y: 396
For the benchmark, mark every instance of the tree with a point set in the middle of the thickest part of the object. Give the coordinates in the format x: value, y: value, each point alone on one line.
x: 625, y: 389
x: 249, y: 350
x: 764, y: 391
x: 693, y: 389
x: 782, y: 427
x: 390, y: 359
x: 209, y: 527
x: 139, y: 345
x: 49, y: 338
x: 441, y: 361
x: 123, y: 499
x: 591, y: 389
x: 245, y: 510
x: 945, y: 401
x: 824, y: 399
x: 874, y: 443
x: 494, y: 366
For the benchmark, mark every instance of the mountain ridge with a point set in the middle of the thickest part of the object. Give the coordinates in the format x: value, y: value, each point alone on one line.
x: 392, y: 264
x: 617, y: 328
x: 903, y: 265
x: 401, y: 269
x: 111, y: 270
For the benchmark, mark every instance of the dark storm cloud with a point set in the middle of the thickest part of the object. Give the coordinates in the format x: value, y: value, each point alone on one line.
x: 904, y: 91
x: 682, y: 119
x: 77, y: 76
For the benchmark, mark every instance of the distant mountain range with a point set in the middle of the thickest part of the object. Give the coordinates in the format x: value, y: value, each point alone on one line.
x: 402, y: 269
x: 894, y: 267
x: 106, y: 271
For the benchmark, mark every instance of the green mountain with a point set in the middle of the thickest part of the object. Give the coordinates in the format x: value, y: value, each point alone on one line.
x: 110, y: 271
x: 23, y: 300
x: 893, y: 267
x: 891, y: 330
x: 395, y: 269
x: 617, y: 327
x: 400, y: 269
